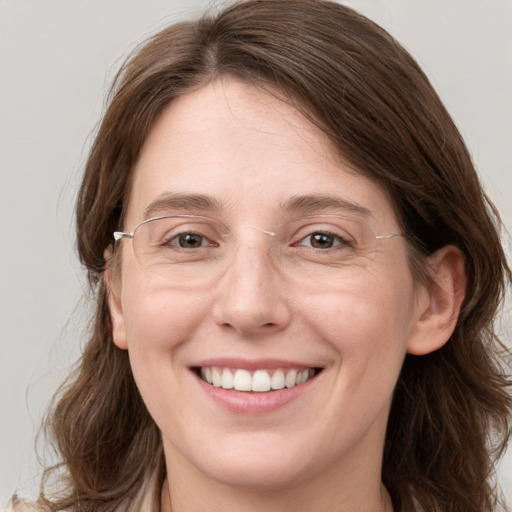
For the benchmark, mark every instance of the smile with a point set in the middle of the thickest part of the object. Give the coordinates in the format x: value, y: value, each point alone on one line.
x: 258, y: 381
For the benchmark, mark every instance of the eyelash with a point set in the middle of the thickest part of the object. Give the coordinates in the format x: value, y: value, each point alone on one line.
x: 174, y: 240
x: 336, y: 240
x: 341, y: 241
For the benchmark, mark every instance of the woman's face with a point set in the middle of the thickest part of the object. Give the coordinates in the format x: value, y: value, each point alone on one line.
x: 268, y: 305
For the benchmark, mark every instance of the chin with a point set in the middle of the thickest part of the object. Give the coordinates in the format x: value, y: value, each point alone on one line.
x: 266, y: 476
x: 254, y: 462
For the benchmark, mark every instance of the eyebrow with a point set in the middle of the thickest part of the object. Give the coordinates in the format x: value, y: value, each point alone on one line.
x: 303, y: 204
x: 182, y: 202
x: 316, y: 203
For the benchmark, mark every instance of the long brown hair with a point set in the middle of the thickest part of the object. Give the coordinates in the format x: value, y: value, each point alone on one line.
x: 450, y: 414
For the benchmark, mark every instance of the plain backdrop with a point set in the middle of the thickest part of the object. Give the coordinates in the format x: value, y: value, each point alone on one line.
x: 57, y: 58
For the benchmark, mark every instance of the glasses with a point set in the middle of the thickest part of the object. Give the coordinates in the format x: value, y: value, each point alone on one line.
x: 189, y: 250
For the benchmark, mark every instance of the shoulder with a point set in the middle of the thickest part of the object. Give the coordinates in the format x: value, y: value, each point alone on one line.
x: 18, y: 505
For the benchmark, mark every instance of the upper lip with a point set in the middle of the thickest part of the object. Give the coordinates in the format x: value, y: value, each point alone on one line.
x: 253, y: 364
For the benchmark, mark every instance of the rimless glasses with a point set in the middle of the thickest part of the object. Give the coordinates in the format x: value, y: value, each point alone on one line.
x: 192, y: 250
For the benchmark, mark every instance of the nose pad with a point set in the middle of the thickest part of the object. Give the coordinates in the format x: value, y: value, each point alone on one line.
x: 250, y: 296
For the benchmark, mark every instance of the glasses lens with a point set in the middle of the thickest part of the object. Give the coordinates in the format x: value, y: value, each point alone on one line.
x: 179, y: 245
x: 191, y: 250
x: 326, y: 249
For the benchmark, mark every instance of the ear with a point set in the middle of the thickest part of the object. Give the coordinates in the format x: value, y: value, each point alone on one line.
x: 439, y: 301
x: 112, y: 281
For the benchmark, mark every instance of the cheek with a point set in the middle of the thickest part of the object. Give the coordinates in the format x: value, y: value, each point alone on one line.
x: 159, y: 319
x: 367, y: 328
x: 157, y: 323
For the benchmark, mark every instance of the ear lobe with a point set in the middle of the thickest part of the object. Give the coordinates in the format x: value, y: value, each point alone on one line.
x: 115, y: 309
x: 439, y: 301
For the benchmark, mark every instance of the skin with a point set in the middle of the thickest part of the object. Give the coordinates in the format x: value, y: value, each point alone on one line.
x: 251, y: 152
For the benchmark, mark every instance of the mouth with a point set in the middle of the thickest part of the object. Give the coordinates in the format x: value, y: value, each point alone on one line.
x: 256, y: 381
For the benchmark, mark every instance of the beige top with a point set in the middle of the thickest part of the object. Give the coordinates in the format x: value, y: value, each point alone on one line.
x: 143, y: 501
x: 17, y: 505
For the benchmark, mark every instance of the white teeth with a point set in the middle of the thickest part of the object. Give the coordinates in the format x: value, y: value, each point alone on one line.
x: 227, y: 379
x: 259, y: 381
x: 206, y: 373
x: 216, y: 377
x: 277, y: 381
x: 303, y: 376
x: 291, y: 379
x: 242, y: 380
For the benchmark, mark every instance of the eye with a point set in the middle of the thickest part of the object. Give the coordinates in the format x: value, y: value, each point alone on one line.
x: 189, y: 240
x: 323, y: 240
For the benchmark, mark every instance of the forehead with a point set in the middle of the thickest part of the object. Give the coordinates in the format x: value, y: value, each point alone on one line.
x: 250, y: 152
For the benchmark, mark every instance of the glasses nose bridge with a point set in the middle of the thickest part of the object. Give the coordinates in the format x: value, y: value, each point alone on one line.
x: 257, y: 228
x: 252, y: 245
x: 249, y: 235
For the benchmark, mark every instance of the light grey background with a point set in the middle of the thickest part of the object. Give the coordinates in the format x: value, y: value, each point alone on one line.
x: 56, y: 60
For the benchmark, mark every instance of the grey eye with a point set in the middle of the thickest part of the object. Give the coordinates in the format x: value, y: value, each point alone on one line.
x: 189, y: 241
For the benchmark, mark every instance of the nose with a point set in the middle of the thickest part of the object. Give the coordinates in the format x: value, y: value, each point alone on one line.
x: 251, y: 295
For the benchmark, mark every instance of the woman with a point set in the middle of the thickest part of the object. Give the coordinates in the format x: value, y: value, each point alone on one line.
x: 297, y: 273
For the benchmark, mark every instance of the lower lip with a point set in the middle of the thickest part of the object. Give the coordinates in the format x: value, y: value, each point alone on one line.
x: 244, y: 402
